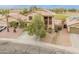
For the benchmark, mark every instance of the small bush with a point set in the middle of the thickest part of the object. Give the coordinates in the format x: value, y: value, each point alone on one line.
x: 50, y: 30
x: 57, y: 28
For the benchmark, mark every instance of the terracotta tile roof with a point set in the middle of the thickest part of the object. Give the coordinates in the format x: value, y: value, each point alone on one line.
x: 45, y: 13
x: 17, y: 16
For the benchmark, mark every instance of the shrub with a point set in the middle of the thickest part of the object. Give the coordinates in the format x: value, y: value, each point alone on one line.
x: 37, y: 27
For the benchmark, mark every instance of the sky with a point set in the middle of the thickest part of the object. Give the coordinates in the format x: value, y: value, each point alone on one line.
x: 41, y: 6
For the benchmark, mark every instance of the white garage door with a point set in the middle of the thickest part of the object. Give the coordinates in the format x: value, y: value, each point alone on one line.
x: 74, y: 40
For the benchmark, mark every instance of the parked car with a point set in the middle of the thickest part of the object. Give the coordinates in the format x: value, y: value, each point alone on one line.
x: 2, y: 28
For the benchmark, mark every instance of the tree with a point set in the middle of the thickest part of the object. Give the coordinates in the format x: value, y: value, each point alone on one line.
x: 24, y: 11
x: 5, y: 13
x: 33, y: 8
x: 37, y: 27
x: 22, y: 24
x: 72, y: 10
x: 59, y: 10
x: 14, y: 24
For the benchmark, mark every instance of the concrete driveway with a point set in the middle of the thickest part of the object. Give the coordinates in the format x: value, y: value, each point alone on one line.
x: 60, y: 38
x: 63, y: 38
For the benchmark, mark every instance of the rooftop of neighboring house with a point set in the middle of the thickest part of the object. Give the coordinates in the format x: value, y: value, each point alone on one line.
x: 16, y: 13
x: 17, y: 16
x: 46, y: 12
x: 43, y: 12
x: 72, y: 20
x: 13, y: 17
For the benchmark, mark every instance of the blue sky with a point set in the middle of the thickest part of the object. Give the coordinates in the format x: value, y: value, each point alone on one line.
x: 42, y: 6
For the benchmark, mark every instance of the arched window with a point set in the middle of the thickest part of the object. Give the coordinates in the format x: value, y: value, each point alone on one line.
x: 50, y: 20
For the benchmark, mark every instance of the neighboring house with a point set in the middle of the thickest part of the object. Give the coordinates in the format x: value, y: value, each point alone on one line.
x: 73, y: 24
x: 17, y: 17
x: 12, y: 17
x: 48, y: 18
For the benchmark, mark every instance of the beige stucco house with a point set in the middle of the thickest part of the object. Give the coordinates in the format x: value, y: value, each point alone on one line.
x: 73, y: 24
x: 48, y: 17
x: 13, y: 16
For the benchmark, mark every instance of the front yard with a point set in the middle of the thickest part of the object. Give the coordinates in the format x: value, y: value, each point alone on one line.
x: 11, y: 34
x: 7, y: 47
x: 60, y: 38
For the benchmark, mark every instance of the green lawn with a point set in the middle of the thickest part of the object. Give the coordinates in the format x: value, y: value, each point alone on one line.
x: 60, y: 16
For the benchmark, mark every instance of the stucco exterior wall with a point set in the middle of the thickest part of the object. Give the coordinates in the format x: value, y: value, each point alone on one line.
x: 33, y: 14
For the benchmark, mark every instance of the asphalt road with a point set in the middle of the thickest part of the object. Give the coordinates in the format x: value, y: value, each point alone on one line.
x: 7, y: 47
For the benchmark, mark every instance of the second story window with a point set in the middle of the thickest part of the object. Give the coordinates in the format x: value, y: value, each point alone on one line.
x: 30, y: 17
x: 50, y: 20
x: 45, y: 17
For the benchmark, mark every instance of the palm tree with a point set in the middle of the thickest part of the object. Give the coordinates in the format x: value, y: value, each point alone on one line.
x: 6, y: 14
x: 24, y: 11
x: 34, y: 8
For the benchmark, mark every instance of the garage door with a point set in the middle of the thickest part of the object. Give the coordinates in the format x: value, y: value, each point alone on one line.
x: 74, y: 30
x: 74, y: 40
